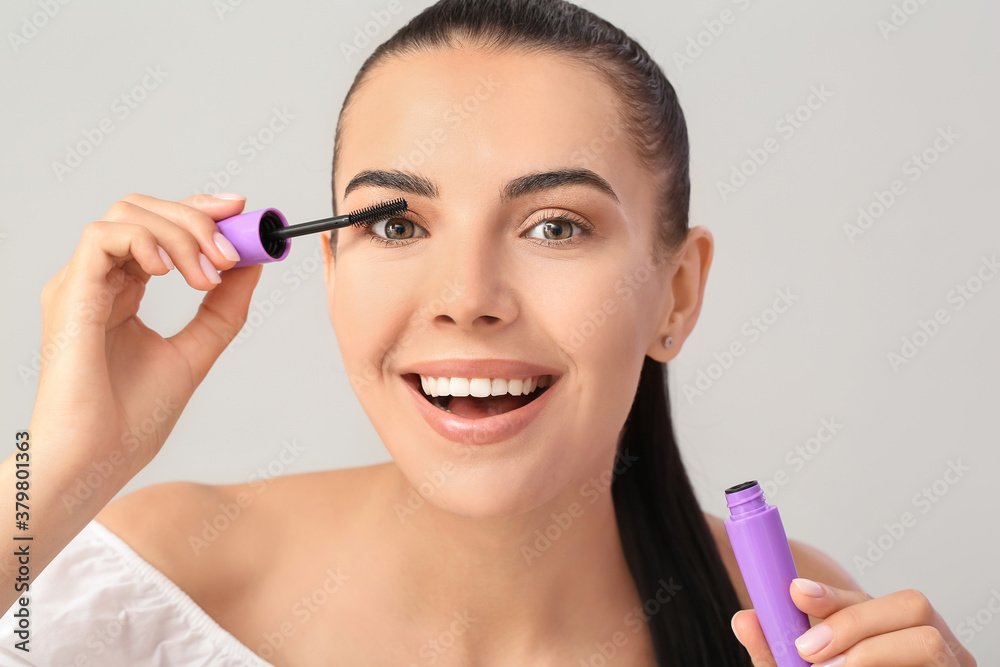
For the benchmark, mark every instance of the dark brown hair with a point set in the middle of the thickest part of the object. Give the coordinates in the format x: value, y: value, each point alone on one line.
x: 685, y: 588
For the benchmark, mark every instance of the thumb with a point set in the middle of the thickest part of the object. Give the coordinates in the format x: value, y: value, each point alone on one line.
x: 746, y: 627
x: 220, y: 317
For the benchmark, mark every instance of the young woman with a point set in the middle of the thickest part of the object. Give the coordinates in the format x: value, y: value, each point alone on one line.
x: 544, y: 160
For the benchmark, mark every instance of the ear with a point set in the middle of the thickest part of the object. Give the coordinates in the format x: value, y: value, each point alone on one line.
x: 683, y: 296
x: 328, y: 259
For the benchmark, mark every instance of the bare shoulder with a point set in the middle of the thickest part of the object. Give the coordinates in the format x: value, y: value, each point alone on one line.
x: 151, y: 519
x: 185, y: 529
x: 238, y: 549
x: 810, y: 562
x: 200, y: 535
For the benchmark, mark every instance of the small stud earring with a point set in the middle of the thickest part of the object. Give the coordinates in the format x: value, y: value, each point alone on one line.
x: 668, y: 341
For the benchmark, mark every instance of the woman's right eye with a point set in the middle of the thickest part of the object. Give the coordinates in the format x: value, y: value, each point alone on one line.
x: 397, y: 229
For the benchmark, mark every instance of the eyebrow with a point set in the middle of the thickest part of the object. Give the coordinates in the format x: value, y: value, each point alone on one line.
x: 519, y: 187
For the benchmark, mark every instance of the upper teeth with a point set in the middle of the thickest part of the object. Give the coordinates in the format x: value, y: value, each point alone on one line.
x: 480, y: 387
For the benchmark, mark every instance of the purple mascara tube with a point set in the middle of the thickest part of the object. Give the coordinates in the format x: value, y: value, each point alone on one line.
x: 265, y: 235
x: 250, y: 235
x: 766, y: 564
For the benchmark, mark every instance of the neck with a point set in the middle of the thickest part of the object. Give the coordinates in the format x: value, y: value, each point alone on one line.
x: 532, y: 586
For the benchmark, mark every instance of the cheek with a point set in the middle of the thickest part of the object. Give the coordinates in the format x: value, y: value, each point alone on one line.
x: 594, y: 315
x: 368, y: 310
x: 599, y: 319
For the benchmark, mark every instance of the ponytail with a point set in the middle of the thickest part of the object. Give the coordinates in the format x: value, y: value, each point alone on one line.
x: 684, y: 586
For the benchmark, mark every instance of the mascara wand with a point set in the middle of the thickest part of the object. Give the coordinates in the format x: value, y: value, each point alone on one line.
x: 263, y: 236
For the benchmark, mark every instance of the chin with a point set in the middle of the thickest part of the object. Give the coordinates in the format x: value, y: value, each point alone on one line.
x: 489, y: 488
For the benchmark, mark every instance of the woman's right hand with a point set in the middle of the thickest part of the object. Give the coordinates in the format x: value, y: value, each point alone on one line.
x: 114, y: 388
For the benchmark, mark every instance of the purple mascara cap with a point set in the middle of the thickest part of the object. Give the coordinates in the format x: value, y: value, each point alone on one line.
x: 246, y: 232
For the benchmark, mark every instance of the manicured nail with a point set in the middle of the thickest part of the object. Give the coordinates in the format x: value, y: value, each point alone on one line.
x: 210, y: 271
x: 165, y: 257
x: 836, y: 661
x: 814, y: 639
x: 732, y: 624
x: 225, y: 247
x: 228, y: 195
x: 809, y: 587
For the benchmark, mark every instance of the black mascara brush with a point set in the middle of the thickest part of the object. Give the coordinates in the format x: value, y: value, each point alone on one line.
x: 263, y: 236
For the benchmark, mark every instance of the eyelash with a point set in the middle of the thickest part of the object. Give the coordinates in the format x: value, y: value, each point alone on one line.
x: 558, y: 217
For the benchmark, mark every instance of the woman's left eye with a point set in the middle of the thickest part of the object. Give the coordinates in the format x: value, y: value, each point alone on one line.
x: 560, y: 226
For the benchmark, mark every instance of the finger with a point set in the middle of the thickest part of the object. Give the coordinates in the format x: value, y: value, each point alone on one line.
x: 820, y: 600
x: 89, y: 280
x: 220, y: 317
x: 182, y: 245
x: 747, y: 629
x: 189, y: 209
x: 917, y: 647
x: 197, y: 215
x: 859, y: 616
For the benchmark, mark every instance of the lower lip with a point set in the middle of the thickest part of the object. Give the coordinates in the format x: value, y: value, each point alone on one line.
x: 485, y: 431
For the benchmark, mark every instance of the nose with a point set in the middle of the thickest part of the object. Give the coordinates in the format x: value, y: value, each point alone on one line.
x: 476, y: 281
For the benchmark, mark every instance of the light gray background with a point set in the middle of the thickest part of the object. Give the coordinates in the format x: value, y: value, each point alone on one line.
x: 825, y: 358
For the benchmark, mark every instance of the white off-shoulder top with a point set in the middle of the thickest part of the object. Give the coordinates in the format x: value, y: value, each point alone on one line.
x: 98, y: 603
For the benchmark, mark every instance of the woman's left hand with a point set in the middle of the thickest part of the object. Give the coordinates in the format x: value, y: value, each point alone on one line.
x: 857, y: 630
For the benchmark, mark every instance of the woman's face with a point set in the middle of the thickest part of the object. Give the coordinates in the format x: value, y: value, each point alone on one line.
x: 474, y: 278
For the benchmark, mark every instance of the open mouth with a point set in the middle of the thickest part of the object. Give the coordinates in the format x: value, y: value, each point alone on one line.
x: 476, y: 407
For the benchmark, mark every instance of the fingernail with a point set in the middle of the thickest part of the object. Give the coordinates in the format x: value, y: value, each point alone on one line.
x: 225, y: 247
x: 165, y: 257
x: 808, y: 587
x: 837, y: 661
x: 210, y: 271
x: 814, y: 639
x: 732, y: 624
x: 228, y: 195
